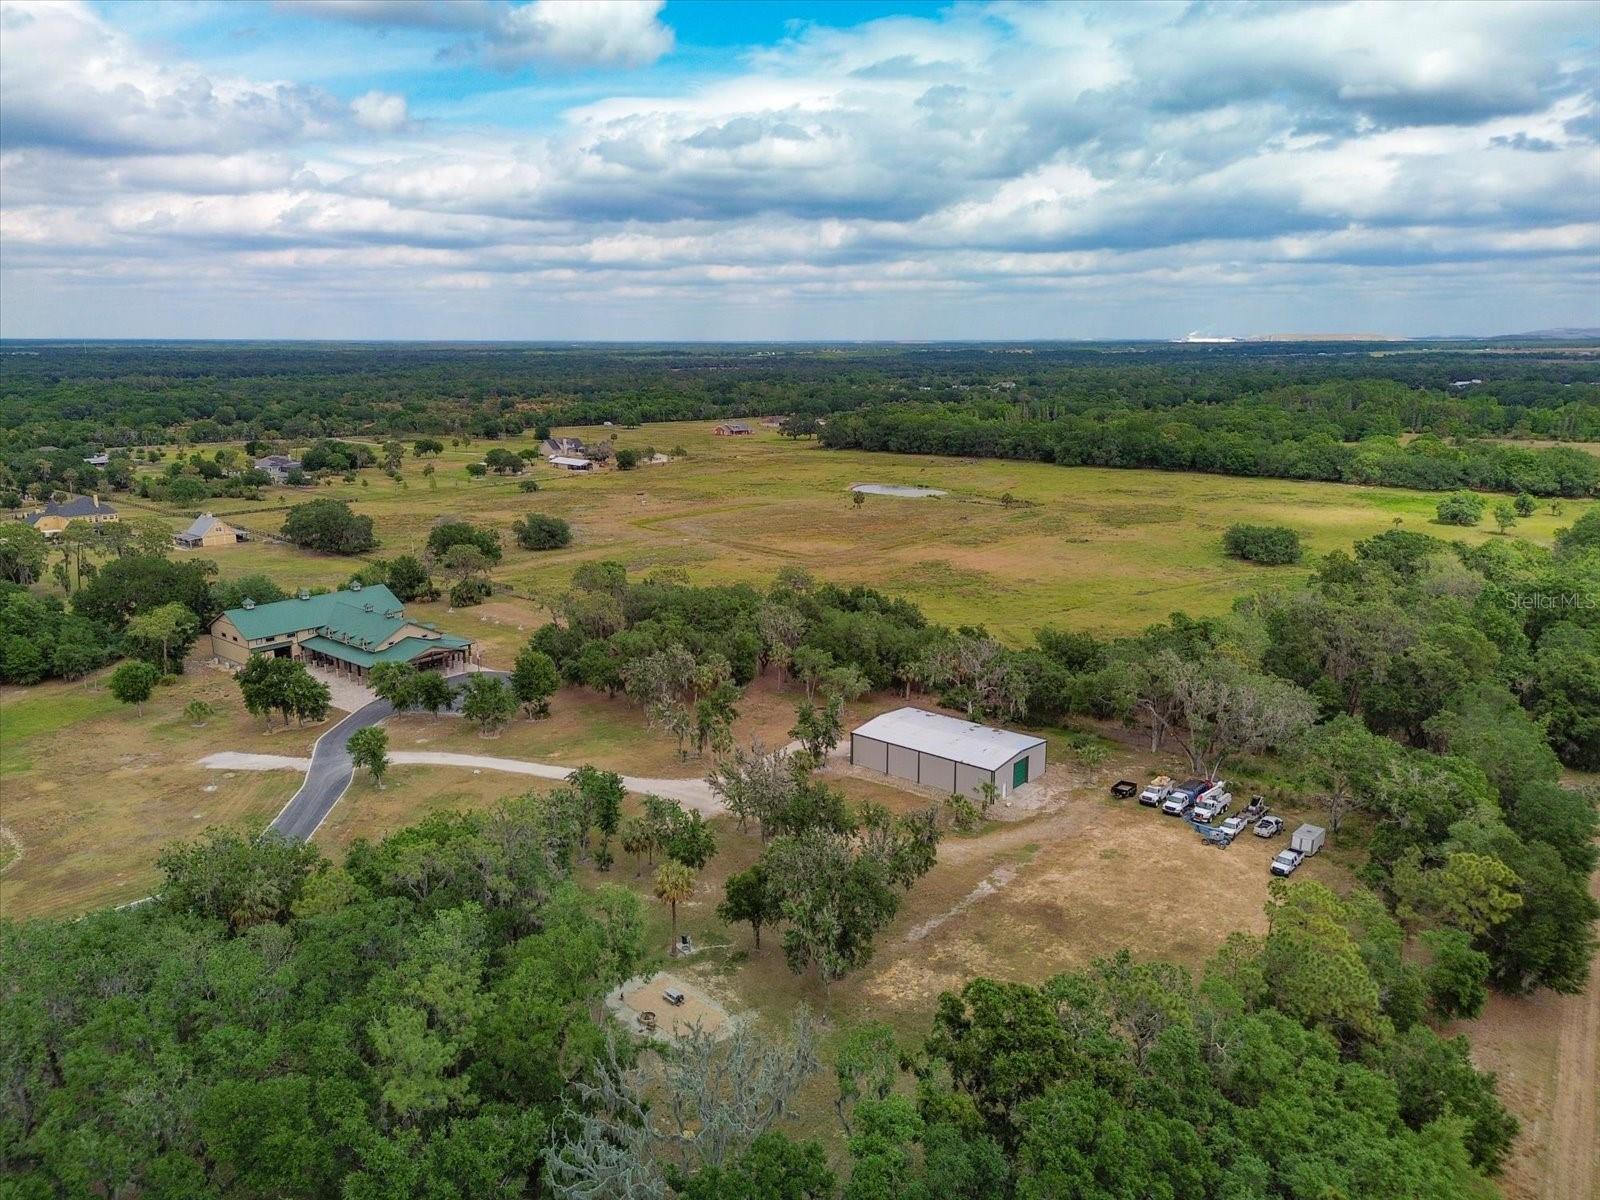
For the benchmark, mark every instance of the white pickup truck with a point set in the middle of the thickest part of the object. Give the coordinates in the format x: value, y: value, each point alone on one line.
x: 1156, y: 790
x: 1286, y: 862
x: 1182, y: 797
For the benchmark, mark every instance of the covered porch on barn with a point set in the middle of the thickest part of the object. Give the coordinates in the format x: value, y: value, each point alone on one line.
x: 447, y: 655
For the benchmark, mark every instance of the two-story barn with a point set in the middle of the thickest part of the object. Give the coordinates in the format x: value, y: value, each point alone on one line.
x: 347, y: 631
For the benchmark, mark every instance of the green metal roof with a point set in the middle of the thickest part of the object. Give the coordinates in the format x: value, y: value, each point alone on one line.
x: 344, y: 612
x: 402, y: 651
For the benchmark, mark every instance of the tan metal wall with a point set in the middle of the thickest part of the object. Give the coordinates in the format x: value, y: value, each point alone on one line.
x: 870, y: 753
x: 938, y: 773
x: 969, y: 780
x: 902, y: 762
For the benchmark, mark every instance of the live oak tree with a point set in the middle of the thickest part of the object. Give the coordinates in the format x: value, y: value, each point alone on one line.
x: 369, y: 748
x: 1228, y: 710
x: 282, y: 685
x: 168, y: 631
x: 432, y: 693
x: 534, y: 679
x: 488, y: 703
x: 329, y: 526
x: 596, y: 802
x: 396, y: 682
x: 748, y: 898
x: 1346, y: 762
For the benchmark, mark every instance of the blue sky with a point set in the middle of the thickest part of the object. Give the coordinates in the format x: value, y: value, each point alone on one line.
x: 619, y: 170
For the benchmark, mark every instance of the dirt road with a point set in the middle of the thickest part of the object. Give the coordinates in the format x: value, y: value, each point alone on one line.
x: 1574, y: 1164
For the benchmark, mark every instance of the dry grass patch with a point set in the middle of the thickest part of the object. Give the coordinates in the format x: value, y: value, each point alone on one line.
x: 93, y: 791
x: 1101, y: 549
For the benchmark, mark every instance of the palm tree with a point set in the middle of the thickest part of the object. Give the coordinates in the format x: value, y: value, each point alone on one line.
x: 674, y: 882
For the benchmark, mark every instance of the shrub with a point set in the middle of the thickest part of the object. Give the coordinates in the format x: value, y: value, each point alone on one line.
x: 458, y: 533
x: 528, y: 485
x: 539, y: 532
x: 1461, y: 508
x: 471, y: 591
x: 627, y: 460
x: 1272, y: 545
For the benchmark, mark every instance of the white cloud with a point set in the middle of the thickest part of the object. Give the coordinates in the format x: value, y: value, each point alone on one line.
x: 72, y: 82
x: 569, y: 33
x: 580, y: 33
x: 381, y: 112
x: 973, y: 165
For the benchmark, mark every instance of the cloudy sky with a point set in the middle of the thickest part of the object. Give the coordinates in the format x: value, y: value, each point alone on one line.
x: 603, y: 169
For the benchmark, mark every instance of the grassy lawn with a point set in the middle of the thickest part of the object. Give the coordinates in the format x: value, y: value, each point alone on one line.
x: 1106, y: 550
x: 92, y: 790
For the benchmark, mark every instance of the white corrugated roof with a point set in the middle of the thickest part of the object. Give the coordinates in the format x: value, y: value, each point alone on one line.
x: 961, y: 741
x: 562, y: 460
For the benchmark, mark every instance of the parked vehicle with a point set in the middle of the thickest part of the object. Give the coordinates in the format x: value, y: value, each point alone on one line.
x: 1123, y: 788
x: 1287, y: 862
x: 1255, y: 810
x: 1212, y: 805
x: 1212, y: 836
x: 1234, y: 826
x: 1308, y: 839
x: 1269, y: 827
x: 1156, y: 791
x: 1181, y: 798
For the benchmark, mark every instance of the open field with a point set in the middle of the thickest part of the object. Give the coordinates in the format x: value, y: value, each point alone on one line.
x: 1108, y: 550
x: 92, y: 790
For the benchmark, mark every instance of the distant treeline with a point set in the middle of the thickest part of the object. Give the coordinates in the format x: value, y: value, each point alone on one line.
x: 1275, y: 437
x: 1274, y: 409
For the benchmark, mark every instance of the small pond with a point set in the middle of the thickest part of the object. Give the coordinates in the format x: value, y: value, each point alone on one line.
x: 894, y: 489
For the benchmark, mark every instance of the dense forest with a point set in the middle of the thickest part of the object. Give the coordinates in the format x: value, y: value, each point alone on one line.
x: 425, y: 1022
x: 1299, y: 411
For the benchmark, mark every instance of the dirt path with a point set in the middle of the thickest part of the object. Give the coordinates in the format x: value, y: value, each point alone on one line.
x: 692, y: 793
x: 1574, y: 1172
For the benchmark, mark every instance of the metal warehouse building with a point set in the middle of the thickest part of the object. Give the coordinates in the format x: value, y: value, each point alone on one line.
x: 945, y: 753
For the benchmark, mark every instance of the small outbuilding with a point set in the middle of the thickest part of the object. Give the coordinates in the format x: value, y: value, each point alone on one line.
x: 947, y: 753
x: 568, y: 463
x: 733, y: 429
x: 208, y: 532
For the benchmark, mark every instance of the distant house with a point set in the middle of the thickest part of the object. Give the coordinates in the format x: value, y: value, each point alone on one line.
x: 208, y: 532
x: 570, y: 447
x: 567, y: 463
x: 733, y: 429
x: 99, y: 460
x: 348, y: 631
x: 277, y: 466
x: 53, y: 517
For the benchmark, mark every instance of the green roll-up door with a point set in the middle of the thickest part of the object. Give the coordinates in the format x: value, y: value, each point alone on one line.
x: 1019, y: 772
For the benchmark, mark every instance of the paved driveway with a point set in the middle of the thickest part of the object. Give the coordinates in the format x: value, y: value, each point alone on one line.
x: 331, y: 770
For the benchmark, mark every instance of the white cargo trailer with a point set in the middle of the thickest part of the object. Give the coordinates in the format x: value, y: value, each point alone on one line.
x: 1308, y: 839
